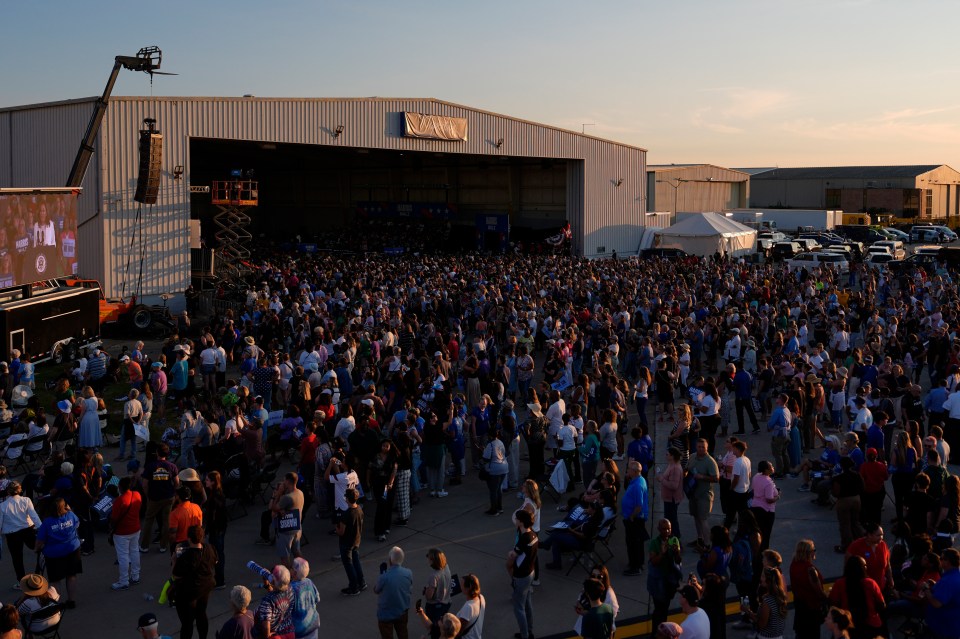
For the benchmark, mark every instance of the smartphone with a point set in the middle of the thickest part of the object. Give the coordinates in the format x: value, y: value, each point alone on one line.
x: 419, y: 605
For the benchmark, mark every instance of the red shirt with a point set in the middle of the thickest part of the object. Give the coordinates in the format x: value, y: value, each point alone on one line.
x: 804, y: 591
x: 874, y: 475
x: 838, y: 597
x: 308, y: 449
x: 877, y: 559
x: 125, y: 515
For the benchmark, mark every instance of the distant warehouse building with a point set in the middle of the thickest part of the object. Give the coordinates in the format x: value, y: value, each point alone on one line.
x: 927, y: 191
x: 696, y: 188
x: 322, y: 164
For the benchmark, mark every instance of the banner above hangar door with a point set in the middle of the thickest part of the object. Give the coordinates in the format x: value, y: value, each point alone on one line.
x: 434, y: 127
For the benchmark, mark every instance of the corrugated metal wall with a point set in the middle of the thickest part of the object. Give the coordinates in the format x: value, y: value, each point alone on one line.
x: 37, y: 148
x: 601, y: 212
x: 690, y: 189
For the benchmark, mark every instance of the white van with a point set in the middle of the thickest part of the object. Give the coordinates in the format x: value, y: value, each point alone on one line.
x: 895, y: 246
x: 836, y: 261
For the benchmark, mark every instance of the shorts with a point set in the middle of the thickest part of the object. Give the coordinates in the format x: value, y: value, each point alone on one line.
x: 288, y: 545
x: 59, y: 568
x: 208, y: 369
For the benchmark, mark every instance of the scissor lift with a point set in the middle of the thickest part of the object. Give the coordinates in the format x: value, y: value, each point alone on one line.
x: 234, y: 198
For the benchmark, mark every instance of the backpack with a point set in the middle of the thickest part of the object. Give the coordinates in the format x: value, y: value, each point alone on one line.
x: 741, y: 562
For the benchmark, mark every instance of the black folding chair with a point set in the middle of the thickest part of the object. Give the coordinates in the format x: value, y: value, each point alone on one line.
x: 37, y: 455
x: 588, y: 557
x: 43, y: 614
x: 19, y: 460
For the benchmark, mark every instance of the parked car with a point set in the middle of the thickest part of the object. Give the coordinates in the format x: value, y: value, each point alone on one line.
x: 895, y: 246
x: 926, y: 261
x: 839, y: 249
x: 945, y: 233
x: 920, y: 234
x: 879, y: 248
x: 860, y: 233
x: 785, y: 250
x: 857, y: 249
x: 812, y: 260
x: 878, y: 259
x: 897, y: 234
x: 808, y: 243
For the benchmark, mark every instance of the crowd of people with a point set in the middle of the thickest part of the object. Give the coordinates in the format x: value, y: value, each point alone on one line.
x: 387, y: 380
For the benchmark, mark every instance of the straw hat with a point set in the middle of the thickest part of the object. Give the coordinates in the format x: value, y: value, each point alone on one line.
x: 34, y: 585
x: 188, y: 474
x: 535, y: 409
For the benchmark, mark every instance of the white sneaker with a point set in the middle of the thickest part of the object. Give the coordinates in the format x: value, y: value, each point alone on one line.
x: 442, y: 493
x: 119, y: 586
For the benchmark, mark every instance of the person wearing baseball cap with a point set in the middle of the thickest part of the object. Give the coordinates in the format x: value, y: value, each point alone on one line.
x: 149, y: 627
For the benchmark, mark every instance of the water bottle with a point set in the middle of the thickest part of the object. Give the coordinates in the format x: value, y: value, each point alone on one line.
x: 260, y: 570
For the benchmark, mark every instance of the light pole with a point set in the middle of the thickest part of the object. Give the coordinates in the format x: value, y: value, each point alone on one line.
x: 676, y: 191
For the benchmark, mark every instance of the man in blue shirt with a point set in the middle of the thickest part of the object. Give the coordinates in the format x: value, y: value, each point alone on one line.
x: 635, y: 510
x: 875, y: 432
x: 779, y: 426
x: 394, y: 587
x: 943, y: 598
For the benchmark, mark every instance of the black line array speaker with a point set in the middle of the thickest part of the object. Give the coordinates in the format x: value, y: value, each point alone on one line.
x: 148, y: 179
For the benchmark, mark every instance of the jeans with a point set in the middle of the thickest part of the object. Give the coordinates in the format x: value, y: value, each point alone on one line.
x: 435, y: 478
x: 124, y: 439
x: 350, y: 557
x: 128, y: 557
x: 218, y: 541
x: 523, y: 604
x: 416, y: 461
x: 494, y: 483
x: 513, y: 464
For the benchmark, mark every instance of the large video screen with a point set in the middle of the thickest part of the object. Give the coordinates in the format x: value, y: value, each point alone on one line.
x: 38, y: 236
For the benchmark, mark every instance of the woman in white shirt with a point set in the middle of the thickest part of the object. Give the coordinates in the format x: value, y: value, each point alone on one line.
x: 709, y: 414
x: 554, y: 415
x: 18, y: 524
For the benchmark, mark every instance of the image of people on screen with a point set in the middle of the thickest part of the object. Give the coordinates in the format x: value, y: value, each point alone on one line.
x: 44, y: 229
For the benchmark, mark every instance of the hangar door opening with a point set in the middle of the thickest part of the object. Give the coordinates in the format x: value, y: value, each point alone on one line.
x: 363, y: 199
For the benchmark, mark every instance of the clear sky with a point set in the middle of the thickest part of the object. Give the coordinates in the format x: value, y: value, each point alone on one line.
x: 728, y: 82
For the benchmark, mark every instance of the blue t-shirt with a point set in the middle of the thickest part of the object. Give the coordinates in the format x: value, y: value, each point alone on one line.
x: 178, y: 375
x: 944, y: 620
x: 59, y: 535
x: 306, y: 619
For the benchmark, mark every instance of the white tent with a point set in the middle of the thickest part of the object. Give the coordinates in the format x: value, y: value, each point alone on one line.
x: 707, y: 233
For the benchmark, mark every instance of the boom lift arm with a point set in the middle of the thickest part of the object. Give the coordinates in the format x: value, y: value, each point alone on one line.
x: 147, y: 60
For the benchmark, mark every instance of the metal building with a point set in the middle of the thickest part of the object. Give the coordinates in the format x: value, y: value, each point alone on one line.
x: 318, y: 159
x: 696, y: 188
x: 930, y: 191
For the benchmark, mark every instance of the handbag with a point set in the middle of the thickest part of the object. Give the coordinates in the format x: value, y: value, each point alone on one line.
x: 483, y: 474
x: 690, y: 483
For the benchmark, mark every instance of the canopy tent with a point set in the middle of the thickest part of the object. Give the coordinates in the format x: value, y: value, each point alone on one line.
x: 708, y: 233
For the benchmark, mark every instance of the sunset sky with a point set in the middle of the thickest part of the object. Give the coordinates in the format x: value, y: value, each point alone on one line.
x: 740, y: 83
